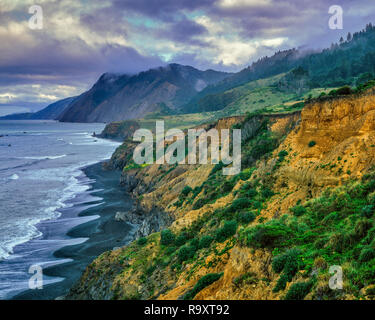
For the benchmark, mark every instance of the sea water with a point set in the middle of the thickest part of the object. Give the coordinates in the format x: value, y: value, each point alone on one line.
x: 40, y: 174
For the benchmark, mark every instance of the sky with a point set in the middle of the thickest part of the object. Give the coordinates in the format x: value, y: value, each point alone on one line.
x: 81, y: 39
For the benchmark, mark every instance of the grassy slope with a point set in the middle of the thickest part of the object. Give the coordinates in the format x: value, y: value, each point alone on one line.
x: 255, y: 95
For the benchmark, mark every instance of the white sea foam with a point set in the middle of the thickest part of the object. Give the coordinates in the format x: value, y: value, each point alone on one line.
x: 55, y: 198
x: 45, y: 157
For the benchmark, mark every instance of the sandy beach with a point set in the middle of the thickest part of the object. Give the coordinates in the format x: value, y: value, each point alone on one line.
x: 103, y: 233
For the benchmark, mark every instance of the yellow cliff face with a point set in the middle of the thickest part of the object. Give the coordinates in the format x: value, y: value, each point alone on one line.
x: 343, y: 134
x: 333, y: 142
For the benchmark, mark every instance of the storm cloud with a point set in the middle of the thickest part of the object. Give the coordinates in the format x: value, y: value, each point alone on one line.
x: 82, y: 39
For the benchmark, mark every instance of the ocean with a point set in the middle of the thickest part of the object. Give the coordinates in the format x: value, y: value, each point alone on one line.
x: 40, y: 177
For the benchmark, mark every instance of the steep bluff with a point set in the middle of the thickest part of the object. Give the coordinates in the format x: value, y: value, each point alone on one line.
x: 334, y: 143
x: 304, y: 202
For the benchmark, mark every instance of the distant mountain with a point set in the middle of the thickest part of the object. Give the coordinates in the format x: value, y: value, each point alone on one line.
x: 121, y: 97
x: 344, y: 63
x: 51, y: 112
x: 217, y: 94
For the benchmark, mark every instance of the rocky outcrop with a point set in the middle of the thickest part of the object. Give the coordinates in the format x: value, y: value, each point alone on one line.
x: 147, y: 222
x: 119, y: 131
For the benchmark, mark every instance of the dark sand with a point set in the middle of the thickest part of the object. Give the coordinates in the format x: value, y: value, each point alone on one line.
x: 104, y: 233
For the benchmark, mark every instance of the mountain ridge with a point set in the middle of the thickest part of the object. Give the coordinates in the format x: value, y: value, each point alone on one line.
x: 51, y: 112
x: 128, y: 97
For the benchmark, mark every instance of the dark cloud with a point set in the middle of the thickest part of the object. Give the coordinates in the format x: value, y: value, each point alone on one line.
x: 55, y: 61
x: 184, y: 31
x: 129, y: 36
x: 162, y: 9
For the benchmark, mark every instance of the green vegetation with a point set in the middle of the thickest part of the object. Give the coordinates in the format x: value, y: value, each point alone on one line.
x: 246, y: 217
x: 186, y: 252
x: 312, y: 143
x: 336, y: 227
x: 202, y: 283
x: 299, y: 290
x: 142, y: 241
x: 228, y: 230
x: 186, y: 190
x: 133, y: 165
x: 298, y: 210
x: 167, y: 237
x: 216, y: 186
x: 247, y: 278
x: 205, y: 241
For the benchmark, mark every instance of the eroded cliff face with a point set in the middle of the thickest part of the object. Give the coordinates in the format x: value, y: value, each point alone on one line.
x: 327, y: 145
x: 344, y: 134
x: 334, y: 142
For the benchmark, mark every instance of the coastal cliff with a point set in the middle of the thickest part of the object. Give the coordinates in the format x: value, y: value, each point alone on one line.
x: 304, y: 201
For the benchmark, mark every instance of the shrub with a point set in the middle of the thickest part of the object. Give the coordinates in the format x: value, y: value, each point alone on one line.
x: 199, y: 203
x: 196, y: 191
x: 251, y: 193
x: 217, y: 167
x: 256, y: 204
x: 185, y: 253
x: 167, y: 237
x: 245, y: 174
x: 238, y: 204
x: 370, y: 186
x: 282, y: 154
x: 248, y: 190
x: 298, y: 210
x: 142, y: 241
x: 268, y: 235
x: 291, y: 265
x: 227, y: 186
x: 298, y: 291
x: 367, y: 254
x: 339, y: 242
x: 186, y: 190
x: 247, y: 278
x: 246, y: 217
x: 202, y: 283
x: 229, y: 229
x: 205, y: 242
x: 361, y: 227
x: 278, y: 263
x: 371, y: 198
x: 170, y: 250
x: 346, y: 90
x: 181, y: 239
x: 367, y: 211
x: 281, y: 283
x: 194, y: 243
x: 267, y: 193
x: 287, y: 262
x: 312, y: 143
x: 150, y: 270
